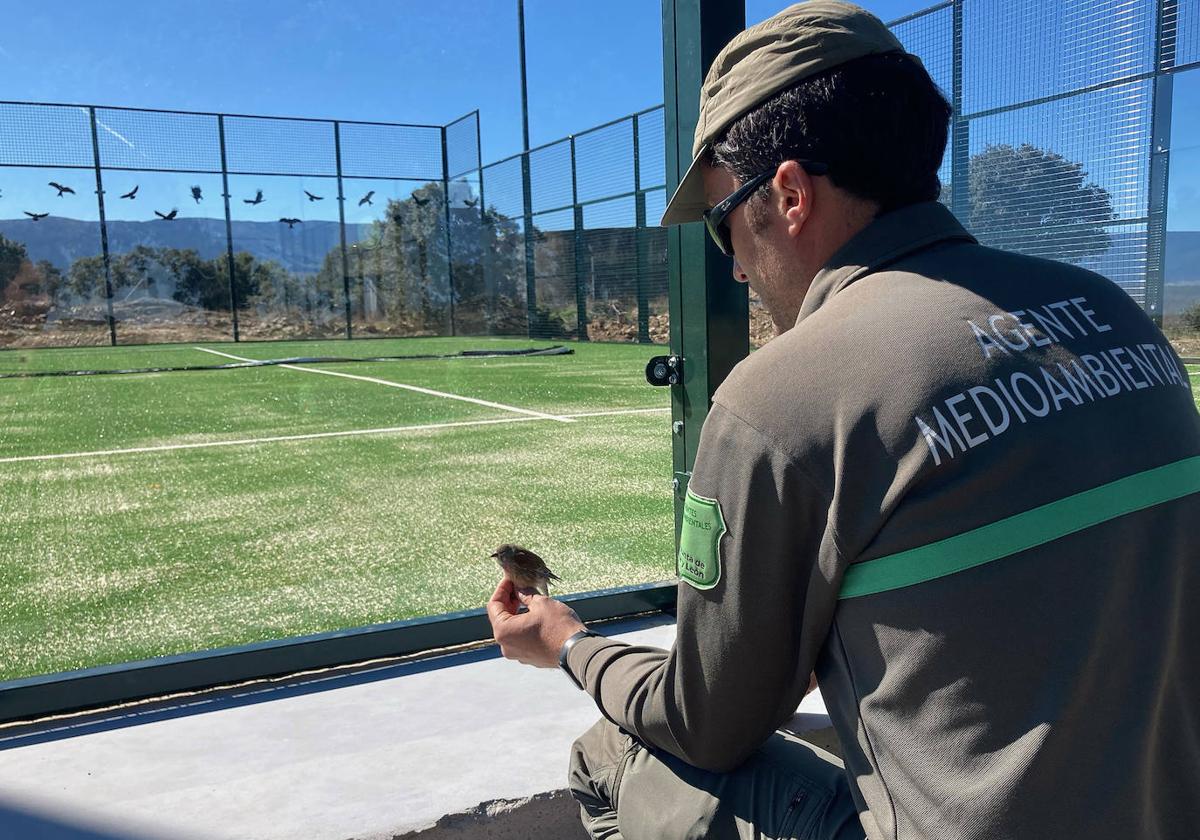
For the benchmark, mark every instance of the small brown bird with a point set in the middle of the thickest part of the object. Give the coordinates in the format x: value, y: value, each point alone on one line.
x: 524, y: 568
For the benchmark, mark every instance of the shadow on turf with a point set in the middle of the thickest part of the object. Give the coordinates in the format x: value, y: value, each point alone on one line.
x: 218, y: 700
x: 18, y: 820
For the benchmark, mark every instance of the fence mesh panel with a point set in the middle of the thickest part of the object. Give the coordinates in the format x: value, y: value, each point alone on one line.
x: 1050, y: 155
x: 652, y: 150
x: 554, y: 275
x: 930, y: 37
x: 604, y: 161
x: 1181, y: 30
x: 158, y: 140
x: 1020, y: 52
x: 270, y: 145
x: 45, y: 135
x: 502, y: 189
x: 462, y: 145
x: 550, y: 176
x: 391, y: 151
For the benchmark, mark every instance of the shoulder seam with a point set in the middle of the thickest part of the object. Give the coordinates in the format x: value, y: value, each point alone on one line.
x: 800, y: 470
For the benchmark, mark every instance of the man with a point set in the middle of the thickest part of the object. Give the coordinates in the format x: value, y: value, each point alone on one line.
x: 961, y: 486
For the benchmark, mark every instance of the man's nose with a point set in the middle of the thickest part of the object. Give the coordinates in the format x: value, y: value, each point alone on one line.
x: 738, y: 274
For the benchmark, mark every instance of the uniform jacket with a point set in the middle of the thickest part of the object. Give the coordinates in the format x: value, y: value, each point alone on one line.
x: 963, y: 491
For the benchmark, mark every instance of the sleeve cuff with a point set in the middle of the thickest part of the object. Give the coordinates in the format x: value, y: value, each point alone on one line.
x: 582, y: 654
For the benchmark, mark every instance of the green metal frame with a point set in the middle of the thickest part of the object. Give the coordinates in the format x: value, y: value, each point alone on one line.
x: 36, y: 697
x: 449, y: 243
x: 229, y: 261
x: 960, y: 128
x: 710, y: 320
x: 639, y: 234
x: 581, y: 313
x: 1160, y: 156
x: 108, y: 289
x: 341, y: 200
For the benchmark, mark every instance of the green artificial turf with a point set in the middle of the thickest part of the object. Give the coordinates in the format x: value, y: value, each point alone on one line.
x: 112, y: 557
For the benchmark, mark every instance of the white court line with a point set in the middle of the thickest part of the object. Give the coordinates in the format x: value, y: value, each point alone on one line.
x: 391, y: 384
x: 314, y: 436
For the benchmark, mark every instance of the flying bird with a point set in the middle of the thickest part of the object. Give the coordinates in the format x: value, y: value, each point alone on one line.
x: 421, y: 202
x: 132, y: 193
x: 292, y: 222
x: 524, y: 568
x: 470, y: 202
x: 167, y: 217
x: 196, y: 194
x: 258, y: 198
x: 366, y: 199
x: 312, y: 197
x: 61, y: 189
x: 35, y: 216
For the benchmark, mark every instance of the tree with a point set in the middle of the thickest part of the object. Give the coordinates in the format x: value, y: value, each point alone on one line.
x: 1037, y: 202
x: 12, y: 256
x: 1191, y: 317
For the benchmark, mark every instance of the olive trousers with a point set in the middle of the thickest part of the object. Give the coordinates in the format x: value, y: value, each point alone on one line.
x: 786, y: 789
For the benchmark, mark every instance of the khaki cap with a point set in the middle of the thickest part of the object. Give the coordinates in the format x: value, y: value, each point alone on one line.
x: 798, y: 42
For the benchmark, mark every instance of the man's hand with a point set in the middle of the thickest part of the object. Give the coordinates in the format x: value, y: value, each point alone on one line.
x: 532, y: 638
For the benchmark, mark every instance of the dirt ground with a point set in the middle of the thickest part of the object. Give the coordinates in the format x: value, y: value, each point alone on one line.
x: 22, y: 328
x: 602, y: 328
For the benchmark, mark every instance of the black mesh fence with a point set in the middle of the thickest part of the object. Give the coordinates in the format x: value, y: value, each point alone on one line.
x: 1060, y: 139
x: 1058, y: 148
x: 178, y: 226
x: 571, y: 243
x: 134, y: 226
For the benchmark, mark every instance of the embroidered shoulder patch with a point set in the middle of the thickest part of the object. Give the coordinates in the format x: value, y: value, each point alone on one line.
x: 699, y: 560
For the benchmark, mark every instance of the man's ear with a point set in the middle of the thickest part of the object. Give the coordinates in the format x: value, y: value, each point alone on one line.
x: 793, y: 195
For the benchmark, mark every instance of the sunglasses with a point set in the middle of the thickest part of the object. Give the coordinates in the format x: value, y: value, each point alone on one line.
x: 714, y: 218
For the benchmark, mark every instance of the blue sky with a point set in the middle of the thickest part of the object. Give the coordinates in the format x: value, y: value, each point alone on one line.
x: 391, y: 60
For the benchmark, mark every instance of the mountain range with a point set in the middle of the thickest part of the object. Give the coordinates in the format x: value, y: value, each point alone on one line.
x: 62, y: 241
x: 303, y: 248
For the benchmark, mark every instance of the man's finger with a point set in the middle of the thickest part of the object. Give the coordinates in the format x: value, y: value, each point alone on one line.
x: 499, y: 608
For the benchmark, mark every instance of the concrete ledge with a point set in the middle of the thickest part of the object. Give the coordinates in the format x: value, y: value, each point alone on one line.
x: 383, y: 752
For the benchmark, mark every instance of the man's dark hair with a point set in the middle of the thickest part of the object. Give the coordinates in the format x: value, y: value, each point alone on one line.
x: 879, y: 122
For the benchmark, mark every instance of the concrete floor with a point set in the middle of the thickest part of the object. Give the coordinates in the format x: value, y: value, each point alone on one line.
x: 365, y: 755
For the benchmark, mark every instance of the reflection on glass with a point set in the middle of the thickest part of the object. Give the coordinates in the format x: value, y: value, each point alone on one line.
x: 287, y: 256
x: 1181, y: 266
x: 52, y: 279
x: 193, y: 507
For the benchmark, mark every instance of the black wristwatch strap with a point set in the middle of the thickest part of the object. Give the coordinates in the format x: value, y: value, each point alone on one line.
x: 566, y: 650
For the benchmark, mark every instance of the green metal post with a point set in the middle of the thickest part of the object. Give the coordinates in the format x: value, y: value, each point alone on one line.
x: 479, y: 163
x: 581, y: 313
x: 960, y: 129
x: 233, y: 301
x: 526, y: 182
x: 337, y: 153
x: 449, y: 246
x: 1160, y: 157
x: 639, y: 240
x: 709, y: 311
x: 108, y: 289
